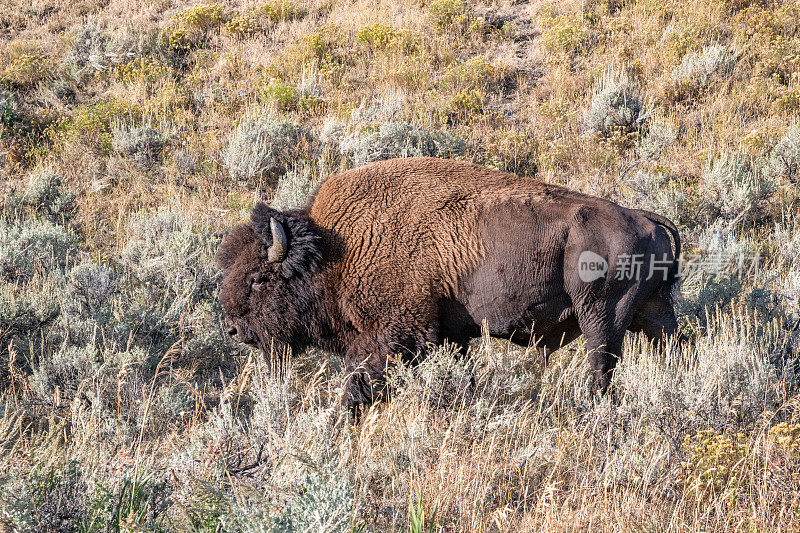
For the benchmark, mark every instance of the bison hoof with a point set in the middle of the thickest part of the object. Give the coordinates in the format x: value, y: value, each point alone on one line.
x: 363, y: 390
x: 356, y: 406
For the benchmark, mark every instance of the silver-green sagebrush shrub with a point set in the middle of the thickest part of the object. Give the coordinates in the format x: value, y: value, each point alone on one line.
x: 168, y: 256
x: 783, y: 161
x: 616, y: 107
x: 293, y: 188
x: 30, y: 307
x: 24, y: 308
x: 660, y: 136
x: 8, y: 107
x: 171, y: 284
x: 45, y: 499
x: 443, y: 380
x: 715, y: 279
x: 27, y: 310
x: 89, y: 49
x: 375, y: 131
x: 325, y: 504
x: 310, y: 87
x: 63, y: 499
x: 108, y: 329
x: 34, y: 247
x: 386, y: 108
x: 699, y: 68
x: 141, y: 143
x: 332, y: 132
x: 290, y: 447
x: 399, y: 139
x: 87, y: 305
x: 185, y: 162
x: 134, y: 41
x: 92, y: 286
x: 45, y: 196
x: 365, y: 118
x: 659, y: 193
x: 731, y: 270
x: 786, y: 241
x: 727, y: 373
x: 491, y: 382
x: 707, y: 295
x: 273, y: 427
x: 118, y: 393
x: 63, y: 370
x: 171, y: 403
x: 789, y: 288
x: 113, y: 324
x: 164, y: 248
x: 263, y: 147
x: 736, y: 190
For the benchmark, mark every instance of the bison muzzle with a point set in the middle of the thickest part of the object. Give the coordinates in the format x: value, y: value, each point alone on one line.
x: 391, y: 258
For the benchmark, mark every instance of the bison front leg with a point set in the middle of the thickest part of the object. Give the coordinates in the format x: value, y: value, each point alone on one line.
x: 366, y: 376
x: 368, y: 360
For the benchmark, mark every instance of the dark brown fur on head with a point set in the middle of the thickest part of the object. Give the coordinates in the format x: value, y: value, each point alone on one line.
x: 271, y: 305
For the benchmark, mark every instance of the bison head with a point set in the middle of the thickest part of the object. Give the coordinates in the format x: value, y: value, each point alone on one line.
x: 268, y: 267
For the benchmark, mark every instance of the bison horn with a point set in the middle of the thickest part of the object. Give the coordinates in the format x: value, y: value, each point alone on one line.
x: 277, y: 252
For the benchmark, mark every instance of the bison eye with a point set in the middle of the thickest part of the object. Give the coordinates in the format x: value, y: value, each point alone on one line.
x: 256, y: 281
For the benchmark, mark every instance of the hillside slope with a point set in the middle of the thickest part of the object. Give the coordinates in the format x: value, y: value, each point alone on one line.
x: 133, y: 133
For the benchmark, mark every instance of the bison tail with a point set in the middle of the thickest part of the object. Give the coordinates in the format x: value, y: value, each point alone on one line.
x: 672, y: 282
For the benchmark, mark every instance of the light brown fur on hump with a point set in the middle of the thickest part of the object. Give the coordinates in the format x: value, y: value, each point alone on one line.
x: 414, y: 222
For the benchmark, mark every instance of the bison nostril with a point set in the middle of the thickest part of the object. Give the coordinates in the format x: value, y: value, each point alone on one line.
x: 232, y: 331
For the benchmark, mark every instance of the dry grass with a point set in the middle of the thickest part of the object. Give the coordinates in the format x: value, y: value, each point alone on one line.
x: 491, y: 442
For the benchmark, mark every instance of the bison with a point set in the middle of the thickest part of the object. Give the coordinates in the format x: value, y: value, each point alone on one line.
x: 396, y: 256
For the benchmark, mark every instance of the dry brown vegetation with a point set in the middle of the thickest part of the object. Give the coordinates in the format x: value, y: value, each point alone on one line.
x: 133, y: 133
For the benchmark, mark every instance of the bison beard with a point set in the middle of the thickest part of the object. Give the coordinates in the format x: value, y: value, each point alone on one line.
x: 394, y: 257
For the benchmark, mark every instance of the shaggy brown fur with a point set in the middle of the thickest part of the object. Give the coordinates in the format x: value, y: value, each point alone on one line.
x: 397, y: 255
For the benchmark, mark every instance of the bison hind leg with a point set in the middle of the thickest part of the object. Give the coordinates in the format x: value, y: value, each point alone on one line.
x: 604, y: 330
x: 604, y: 353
